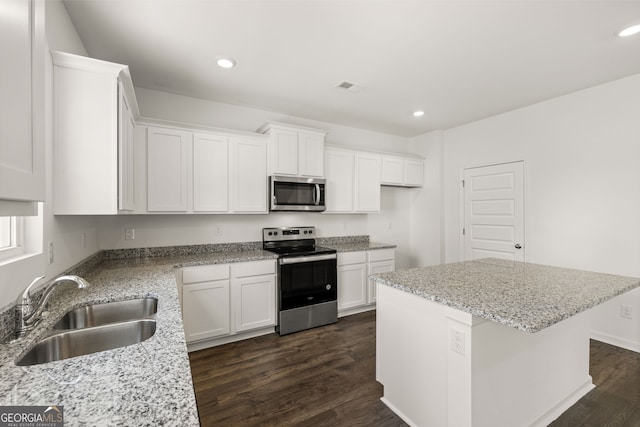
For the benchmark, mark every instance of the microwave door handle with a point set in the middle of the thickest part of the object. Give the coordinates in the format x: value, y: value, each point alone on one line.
x: 316, y: 200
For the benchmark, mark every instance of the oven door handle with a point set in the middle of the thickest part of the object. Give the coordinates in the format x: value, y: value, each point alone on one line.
x: 311, y: 258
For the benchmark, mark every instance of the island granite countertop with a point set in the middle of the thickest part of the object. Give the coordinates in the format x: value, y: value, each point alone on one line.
x: 528, y: 297
x: 145, y: 384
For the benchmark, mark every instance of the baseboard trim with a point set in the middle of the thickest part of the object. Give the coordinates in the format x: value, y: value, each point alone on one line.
x: 398, y: 412
x: 565, y: 404
x: 616, y: 341
x: 213, y: 342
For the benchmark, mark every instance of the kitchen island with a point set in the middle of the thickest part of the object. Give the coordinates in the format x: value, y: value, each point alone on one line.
x: 487, y: 342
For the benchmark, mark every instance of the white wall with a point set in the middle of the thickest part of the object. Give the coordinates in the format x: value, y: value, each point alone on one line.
x: 427, y: 207
x: 64, y: 232
x: 168, y: 106
x: 582, y: 185
x: 389, y: 226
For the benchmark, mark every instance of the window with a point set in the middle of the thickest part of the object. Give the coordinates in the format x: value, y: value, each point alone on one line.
x: 11, y: 236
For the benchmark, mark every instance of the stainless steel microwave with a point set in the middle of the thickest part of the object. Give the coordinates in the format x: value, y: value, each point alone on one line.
x: 290, y: 193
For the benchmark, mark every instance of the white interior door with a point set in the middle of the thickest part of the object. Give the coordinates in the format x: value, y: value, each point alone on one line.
x: 494, y: 212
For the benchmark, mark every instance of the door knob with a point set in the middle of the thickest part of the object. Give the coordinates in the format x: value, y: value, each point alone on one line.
x: 518, y: 246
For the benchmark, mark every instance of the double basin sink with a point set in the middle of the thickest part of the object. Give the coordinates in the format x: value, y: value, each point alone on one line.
x: 94, y: 328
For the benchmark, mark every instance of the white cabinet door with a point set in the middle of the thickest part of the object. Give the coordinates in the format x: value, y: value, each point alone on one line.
x: 210, y: 173
x: 367, y: 182
x: 249, y: 171
x: 413, y: 173
x: 205, y: 310
x: 378, y: 267
x: 126, y: 135
x: 254, y: 302
x: 21, y: 100
x: 352, y: 285
x: 392, y: 170
x: 284, y: 151
x: 339, y: 167
x: 310, y: 154
x: 167, y: 170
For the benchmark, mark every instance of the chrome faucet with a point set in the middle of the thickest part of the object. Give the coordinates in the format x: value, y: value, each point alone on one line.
x: 28, y: 316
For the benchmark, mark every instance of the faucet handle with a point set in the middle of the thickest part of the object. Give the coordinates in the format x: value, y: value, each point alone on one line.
x: 26, y: 296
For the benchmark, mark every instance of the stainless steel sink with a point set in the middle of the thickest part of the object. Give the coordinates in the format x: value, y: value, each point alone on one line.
x: 101, y: 314
x: 78, y: 342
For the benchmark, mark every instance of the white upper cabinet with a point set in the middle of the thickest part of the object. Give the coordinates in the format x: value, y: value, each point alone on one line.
x: 310, y: 153
x: 339, y: 188
x: 168, y: 169
x: 249, y: 175
x: 294, y: 151
x: 413, y: 172
x: 22, y: 101
x: 94, y: 112
x: 210, y: 173
x: 367, y: 182
x: 402, y: 171
x: 126, y: 137
x: 201, y: 172
x: 353, y: 181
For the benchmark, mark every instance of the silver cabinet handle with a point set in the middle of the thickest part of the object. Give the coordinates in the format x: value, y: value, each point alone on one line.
x: 518, y: 246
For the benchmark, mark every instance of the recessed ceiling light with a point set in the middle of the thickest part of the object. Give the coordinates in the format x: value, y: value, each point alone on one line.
x: 226, y: 62
x: 418, y: 113
x: 629, y: 31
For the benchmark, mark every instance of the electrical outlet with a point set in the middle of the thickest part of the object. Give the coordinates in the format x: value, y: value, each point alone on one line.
x: 457, y: 341
x: 626, y: 312
x: 217, y: 231
x: 50, y: 252
x: 129, y: 234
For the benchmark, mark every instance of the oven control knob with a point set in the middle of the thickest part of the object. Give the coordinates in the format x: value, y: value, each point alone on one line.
x: 270, y: 233
x: 275, y: 233
x: 328, y: 287
x: 310, y: 231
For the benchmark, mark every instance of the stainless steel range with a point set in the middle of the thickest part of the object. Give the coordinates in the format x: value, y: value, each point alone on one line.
x: 307, y: 279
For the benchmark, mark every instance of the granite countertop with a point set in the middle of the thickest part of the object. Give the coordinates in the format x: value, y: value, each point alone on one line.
x: 360, y: 246
x: 351, y: 243
x: 144, y: 384
x: 525, y: 296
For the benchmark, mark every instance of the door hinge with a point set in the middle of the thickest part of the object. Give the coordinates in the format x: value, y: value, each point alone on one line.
x: 463, y: 183
x: 463, y: 231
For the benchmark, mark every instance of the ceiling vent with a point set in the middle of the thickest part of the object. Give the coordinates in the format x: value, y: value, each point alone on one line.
x: 350, y: 87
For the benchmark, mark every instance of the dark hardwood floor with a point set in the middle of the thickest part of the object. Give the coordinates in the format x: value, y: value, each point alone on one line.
x: 616, y: 399
x: 320, y: 377
x: 326, y: 377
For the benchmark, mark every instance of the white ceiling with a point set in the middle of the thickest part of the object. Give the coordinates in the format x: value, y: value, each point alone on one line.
x: 458, y: 61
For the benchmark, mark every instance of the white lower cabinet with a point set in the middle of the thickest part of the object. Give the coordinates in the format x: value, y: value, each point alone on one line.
x: 355, y: 291
x: 352, y: 280
x: 220, y: 301
x: 254, y: 295
x: 205, y: 302
x: 380, y: 261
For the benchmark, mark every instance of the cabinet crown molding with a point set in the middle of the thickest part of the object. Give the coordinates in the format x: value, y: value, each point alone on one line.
x: 92, y: 65
x: 382, y: 153
x: 279, y: 125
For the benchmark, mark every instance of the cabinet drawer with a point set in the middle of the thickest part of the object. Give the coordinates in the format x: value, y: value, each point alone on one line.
x: 381, y: 255
x: 254, y: 268
x: 346, y: 258
x: 206, y: 273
